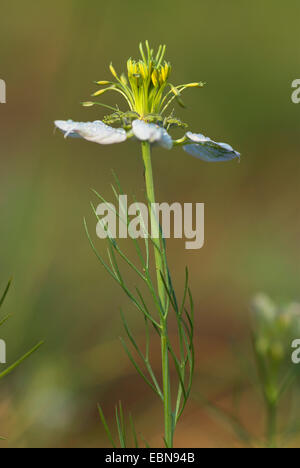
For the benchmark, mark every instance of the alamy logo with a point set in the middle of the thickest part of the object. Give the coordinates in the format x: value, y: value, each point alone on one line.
x: 296, y: 93
x: 2, y: 92
x: 2, y: 352
x: 296, y: 353
x: 135, y: 221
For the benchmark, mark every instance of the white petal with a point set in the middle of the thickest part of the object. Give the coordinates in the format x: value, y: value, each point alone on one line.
x: 142, y: 130
x: 226, y: 146
x: 165, y: 139
x: 197, y: 137
x: 151, y: 132
x: 66, y: 126
x: 97, y: 132
x: 209, y: 150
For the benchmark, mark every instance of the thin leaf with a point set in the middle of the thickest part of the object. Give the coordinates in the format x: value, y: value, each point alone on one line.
x: 102, y: 417
x: 5, y: 319
x: 145, y: 360
x: 186, y: 285
x: 120, y: 425
x: 230, y: 420
x: 5, y: 292
x: 135, y: 439
x: 19, y: 361
x: 145, y: 441
x: 97, y: 253
x: 136, y: 366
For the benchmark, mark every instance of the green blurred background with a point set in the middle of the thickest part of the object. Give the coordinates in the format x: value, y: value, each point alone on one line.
x: 51, y: 52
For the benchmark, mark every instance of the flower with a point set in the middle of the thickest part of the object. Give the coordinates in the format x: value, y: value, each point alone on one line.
x: 274, y: 327
x: 148, y: 93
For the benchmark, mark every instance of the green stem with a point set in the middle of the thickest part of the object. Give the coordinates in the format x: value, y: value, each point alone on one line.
x: 160, y: 268
x: 159, y: 263
x: 272, y: 426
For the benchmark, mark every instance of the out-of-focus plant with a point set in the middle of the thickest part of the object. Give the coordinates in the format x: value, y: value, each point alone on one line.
x: 273, y: 330
x: 149, y: 94
x: 12, y: 367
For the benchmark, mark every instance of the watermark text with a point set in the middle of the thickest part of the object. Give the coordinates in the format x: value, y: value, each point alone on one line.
x: 296, y: 94
x: 296, y: 353
x: 2, y: 352
x: 162, y: 219
x: 2, y: 92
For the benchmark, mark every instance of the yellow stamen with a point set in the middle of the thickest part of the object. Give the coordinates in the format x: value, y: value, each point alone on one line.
x: 166, y: 71
x: 129, y: 67
x: 113, y: 71
x: 194, y: 85
x: 135, y: 69
x: 88, y: 104
x: 143, y: 70
x: 123, y: 79
x: 101, y: 91
x: 154, y: 77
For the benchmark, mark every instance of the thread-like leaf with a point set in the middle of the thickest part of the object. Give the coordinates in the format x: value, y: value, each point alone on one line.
x: 143, y: 358
x: 232, y: 422
x: 135, y: 438
x: 19, y: 361
x: 120, y: 425
x: 105, y: 425
x: 5, y: 293
x: 136, y: 366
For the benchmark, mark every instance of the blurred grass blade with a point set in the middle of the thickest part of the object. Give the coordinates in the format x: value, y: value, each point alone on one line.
x: 121, y: 425
x: 102, y: 417
x: 4, y: 319
x: 5, y: 292
x: 145, y: 441
x: 232, y: 422
x: 135, y: 439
